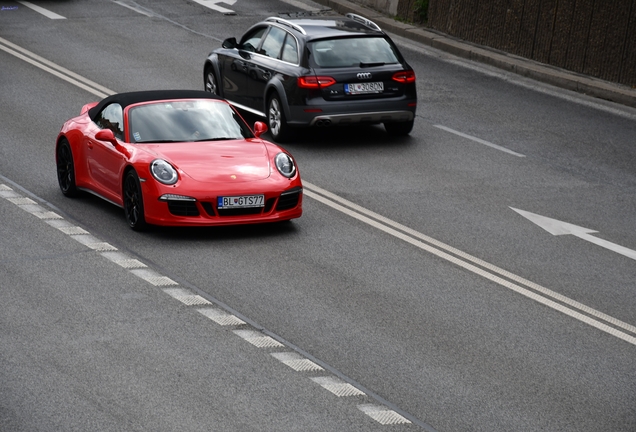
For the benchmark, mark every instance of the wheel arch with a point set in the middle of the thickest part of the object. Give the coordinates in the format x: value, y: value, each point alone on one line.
x: 60, y: 138
x: 128, y: 168
x: 213, y: 63
x: 276, y: 86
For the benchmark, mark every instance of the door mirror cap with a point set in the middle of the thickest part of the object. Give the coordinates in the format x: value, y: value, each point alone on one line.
x: 106, y: 135
x: 259, y: 128
x: 229, y: 43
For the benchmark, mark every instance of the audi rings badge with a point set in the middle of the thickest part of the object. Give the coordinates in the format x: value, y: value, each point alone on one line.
x: 364, y: 75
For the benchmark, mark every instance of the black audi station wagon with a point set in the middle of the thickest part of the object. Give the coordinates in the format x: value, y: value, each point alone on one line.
x: 315, y: 72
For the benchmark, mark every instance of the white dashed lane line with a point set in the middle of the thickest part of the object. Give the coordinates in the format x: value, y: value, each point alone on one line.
x: 47, y: 13
x: 328, y: 378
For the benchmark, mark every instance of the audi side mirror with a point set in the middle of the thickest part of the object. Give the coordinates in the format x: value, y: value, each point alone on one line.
x: 229, y: 43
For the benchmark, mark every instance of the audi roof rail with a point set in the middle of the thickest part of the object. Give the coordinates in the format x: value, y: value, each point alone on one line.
x: 364, y: 21
x: 287, y: 23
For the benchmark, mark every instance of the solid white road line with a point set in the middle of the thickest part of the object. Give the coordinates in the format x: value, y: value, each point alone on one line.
x: 143, y: 12
x: 301, y: 5
x: 53, y: 69
x: 47, y: 13
x: 413, y: 237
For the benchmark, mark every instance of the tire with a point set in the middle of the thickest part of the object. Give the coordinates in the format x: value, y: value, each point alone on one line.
x: 399, y: 128
x: 133, y: 202
x: 211, y: 83
x: 276, y: 121
x: 66, y: 169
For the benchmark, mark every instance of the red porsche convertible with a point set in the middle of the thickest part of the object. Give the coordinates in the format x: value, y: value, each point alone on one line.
x: 179, y: 158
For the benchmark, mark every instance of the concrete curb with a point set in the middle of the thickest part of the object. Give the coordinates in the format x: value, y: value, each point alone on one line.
x: 519, y: 65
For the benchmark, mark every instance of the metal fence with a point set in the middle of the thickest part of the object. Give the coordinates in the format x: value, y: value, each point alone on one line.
x: 592, y: 37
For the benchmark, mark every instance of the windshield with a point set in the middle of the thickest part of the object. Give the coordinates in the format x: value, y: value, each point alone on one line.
x: 360, y: 51
x: 185, y: 121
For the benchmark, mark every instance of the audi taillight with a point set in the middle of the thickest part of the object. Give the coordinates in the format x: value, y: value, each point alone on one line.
x: 404, y: 77
x: 315, y: 82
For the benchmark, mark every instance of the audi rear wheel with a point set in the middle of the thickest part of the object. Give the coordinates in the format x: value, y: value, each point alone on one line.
x: 276, y: 120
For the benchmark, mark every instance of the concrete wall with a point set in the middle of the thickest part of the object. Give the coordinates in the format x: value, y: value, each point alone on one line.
x: 592, y: 37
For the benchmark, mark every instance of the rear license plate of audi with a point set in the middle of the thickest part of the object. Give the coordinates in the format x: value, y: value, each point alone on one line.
x: 363, y: 88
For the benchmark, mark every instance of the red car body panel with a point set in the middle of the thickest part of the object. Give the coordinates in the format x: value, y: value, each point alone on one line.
x: 206, y: 170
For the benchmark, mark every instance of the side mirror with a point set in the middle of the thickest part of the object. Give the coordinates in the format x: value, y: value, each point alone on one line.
x: 259, y: 128
x: 229, y: 43
x: 106, y: 135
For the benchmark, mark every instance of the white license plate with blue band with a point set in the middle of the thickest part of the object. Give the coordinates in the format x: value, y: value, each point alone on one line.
x: 244, y: 201
x: 362, y: 88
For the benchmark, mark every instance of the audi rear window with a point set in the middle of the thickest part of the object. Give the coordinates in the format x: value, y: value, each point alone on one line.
x: 358, y: 51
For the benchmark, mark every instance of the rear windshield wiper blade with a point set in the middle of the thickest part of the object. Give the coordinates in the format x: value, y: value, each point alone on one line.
x: 372, y: 64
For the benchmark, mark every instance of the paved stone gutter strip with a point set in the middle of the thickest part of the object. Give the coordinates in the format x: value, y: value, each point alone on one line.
x: 538, y: 71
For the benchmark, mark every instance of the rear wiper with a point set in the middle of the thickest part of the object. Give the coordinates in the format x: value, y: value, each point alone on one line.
x: 371, y: 64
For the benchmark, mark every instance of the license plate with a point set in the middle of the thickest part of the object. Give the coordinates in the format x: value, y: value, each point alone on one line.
x: 245, y: 201
x: 362, y: 88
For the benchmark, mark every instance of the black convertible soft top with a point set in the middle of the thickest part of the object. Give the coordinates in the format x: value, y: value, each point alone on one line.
x: 125, y: 99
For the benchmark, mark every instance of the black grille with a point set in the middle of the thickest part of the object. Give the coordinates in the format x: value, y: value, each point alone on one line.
x: 269, y: 204
x: 183, y: 208
x: 208, y: 207
x: 288, y: 199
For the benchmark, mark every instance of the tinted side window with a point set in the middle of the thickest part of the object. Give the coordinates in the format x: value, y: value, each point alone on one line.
x: 273, y: 42
x: 290, y: 50
x: 112, y: 117
x: 251, y: 40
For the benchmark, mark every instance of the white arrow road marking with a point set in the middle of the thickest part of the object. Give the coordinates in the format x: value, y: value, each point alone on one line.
x: 557, y: 227
x: 212, y: 4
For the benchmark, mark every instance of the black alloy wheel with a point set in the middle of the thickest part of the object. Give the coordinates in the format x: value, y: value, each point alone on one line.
x: 66, y: 169
x: 133, y: 202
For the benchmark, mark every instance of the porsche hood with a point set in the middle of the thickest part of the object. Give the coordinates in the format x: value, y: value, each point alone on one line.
x: 217, y: 161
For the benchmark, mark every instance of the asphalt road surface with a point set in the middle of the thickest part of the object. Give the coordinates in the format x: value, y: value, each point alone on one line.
x: 423, y: 288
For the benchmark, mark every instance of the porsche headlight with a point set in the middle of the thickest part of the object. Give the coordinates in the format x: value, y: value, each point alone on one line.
x: 163, y: 172
x: 285, y: 165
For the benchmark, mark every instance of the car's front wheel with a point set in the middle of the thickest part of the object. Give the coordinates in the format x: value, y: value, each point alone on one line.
x: 276, y: 120
x: 399, y: 128
x: 66, y: 169
x: 133, y: 202
x: 211, y: 83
